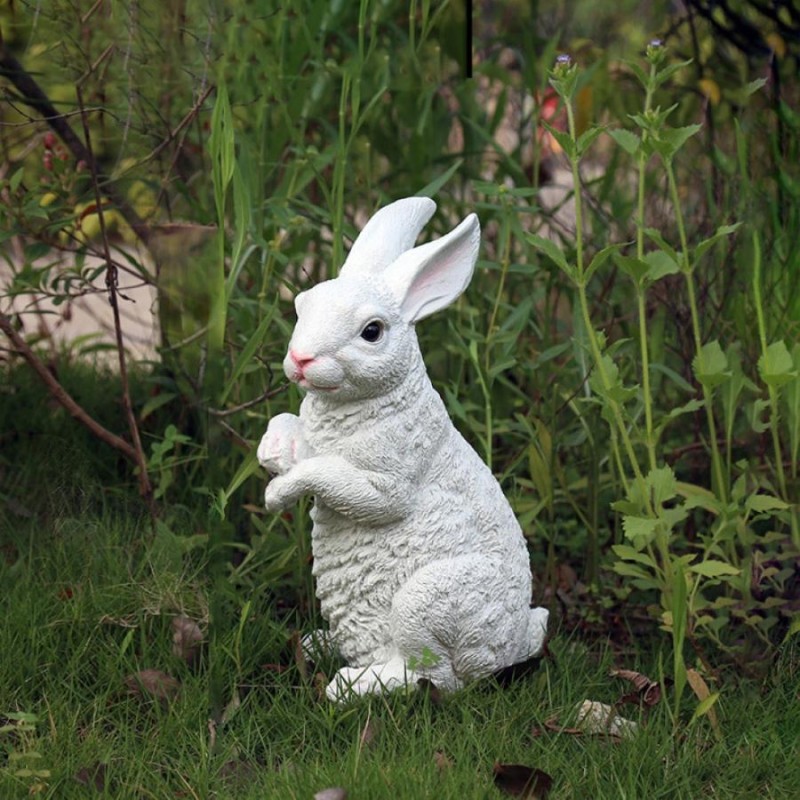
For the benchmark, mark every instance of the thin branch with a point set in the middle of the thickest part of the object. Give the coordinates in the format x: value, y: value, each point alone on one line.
x: 226, y: 412
x: 111, y: 283
x: 60, y: 394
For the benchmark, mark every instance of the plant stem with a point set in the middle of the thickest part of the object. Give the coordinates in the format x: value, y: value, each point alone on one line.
x: 640, y: 291
x: 688, y: 271
x: 774, y: 415
x: 587, y: 318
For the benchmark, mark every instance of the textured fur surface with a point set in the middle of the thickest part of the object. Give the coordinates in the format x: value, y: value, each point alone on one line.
x: 418, y: 558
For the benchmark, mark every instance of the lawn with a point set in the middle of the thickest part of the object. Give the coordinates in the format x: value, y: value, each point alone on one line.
x: 97, y: 698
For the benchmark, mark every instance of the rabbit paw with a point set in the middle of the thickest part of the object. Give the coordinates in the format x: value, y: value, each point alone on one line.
x: 351, y: 682
x: 279, y: 494
x: 281, y: 446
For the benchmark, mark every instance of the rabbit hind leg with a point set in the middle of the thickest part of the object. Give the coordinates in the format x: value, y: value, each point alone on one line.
x: 350, y: 682
x: 463, y: 618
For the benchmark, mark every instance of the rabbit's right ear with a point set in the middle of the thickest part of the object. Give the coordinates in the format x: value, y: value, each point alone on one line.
x: 433, y: 275
x: 389, y: 233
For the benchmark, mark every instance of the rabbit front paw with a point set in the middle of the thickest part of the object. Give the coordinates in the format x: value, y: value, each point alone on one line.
x: 280, y: 493
x: 282, y: 445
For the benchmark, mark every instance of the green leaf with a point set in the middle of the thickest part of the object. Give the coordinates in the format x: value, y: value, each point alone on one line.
x: 704, y: 706
x: 640, y: 530
x: 670, y: 140
x: 757, y: 421
x: 565, y: 141
x: 435, y: 186
x: 626, y: 139
x: 640, y: 74
x: 247, y: 468
x: 628, y: 553
x: 713, y: 569
x: 662, y: 484
x: 776, y: 366
x: 765, y: 502
x: 662, y: 243
x: 154, y: 403
x: 669, y: 71
x: 721, y: 233
x: 660, y: 264
x: 587, y: 139
x: 633, y: 267
x: 552, y: 251
x: 794, y: 628
x: 245, y: 357
x: 631, y: 571
x: 16, y: 179
x: 710, y: 365
x: 598, y: 260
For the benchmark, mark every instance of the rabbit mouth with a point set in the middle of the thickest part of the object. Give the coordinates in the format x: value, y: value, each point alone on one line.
x: 305, y: 383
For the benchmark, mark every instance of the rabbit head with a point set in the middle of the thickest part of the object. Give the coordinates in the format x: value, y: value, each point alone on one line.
x: 354, y: 337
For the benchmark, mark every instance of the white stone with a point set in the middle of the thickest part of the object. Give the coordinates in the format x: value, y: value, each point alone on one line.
x: 421, y: 567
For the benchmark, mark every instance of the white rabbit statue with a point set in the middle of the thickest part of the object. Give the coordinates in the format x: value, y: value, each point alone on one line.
x: 421, y: 567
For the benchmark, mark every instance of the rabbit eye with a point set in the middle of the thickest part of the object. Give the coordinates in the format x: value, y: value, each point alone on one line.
x: 372, y: 331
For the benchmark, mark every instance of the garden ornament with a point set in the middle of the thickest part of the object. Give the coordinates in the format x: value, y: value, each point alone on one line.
x: 421, y: 567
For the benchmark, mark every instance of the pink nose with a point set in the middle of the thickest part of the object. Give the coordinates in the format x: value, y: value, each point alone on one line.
x: 301, y: 361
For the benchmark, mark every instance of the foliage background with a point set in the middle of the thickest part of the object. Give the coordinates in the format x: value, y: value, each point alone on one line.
x: 244, y: 144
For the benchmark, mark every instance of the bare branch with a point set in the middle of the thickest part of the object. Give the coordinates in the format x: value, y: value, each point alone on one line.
x: 111, y: 283
x: 60, y: 394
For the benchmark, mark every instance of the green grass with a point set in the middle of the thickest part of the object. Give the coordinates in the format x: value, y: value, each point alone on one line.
x: 83, y: 608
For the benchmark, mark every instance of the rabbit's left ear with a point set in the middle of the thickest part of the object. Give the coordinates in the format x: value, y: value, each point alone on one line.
x: 431, y: 276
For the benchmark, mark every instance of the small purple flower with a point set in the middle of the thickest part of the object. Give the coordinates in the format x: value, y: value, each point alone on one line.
x: 563, y: 60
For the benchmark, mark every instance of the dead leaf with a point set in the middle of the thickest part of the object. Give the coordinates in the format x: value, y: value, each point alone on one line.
x: 519, y: 780
x: 703, y: 694
x: 237, y: 772
x: 429, y: 690
x: 299, y: 656
x: 186, y: 639
x: 94, y: 776
x: 648, y: 692
x: 443, y: 763
x: 153, y: 683
x: 333, y: 793
x: 369, y: 733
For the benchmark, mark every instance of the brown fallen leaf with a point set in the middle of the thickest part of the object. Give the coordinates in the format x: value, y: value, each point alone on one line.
x: 94, y: 776
x: 429, y: 690
x: 648, y: 692
x: 519, y: 780
x: 443, y: 763
x: 333, y: 793
x: 300, y: 660
x: 369, y: 733
x: 186, y: 639
x: 152, y: 683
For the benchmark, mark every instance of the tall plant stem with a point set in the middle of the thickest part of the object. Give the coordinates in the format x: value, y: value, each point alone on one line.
x: 688, y: 271
x: 587, y: 317
x: 640, y: 291
x: 774, y: 405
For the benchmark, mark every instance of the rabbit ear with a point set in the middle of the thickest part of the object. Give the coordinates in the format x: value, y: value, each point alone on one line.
x: 389, y: 232
x: 433, y: 275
